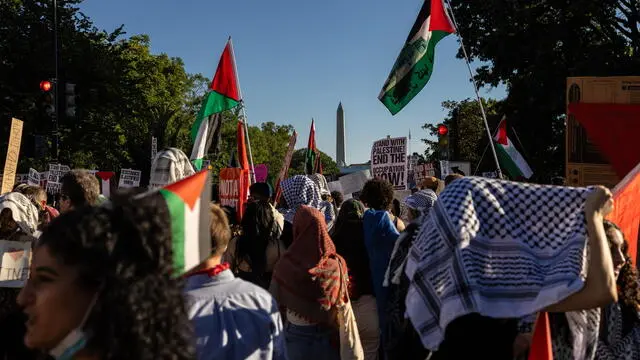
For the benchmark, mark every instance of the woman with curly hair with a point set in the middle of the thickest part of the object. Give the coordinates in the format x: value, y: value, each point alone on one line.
x: 620, y: 324
x: 101, y: 287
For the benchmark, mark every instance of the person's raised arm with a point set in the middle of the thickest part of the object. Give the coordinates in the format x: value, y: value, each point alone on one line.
x: 600, y: 286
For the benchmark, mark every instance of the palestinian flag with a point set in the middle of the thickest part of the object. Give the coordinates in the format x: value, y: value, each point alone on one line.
x: 414, y: 65
x: 510, y: 159
x: 224, y: 95
x: 310, y: 163
x: 187, y: 202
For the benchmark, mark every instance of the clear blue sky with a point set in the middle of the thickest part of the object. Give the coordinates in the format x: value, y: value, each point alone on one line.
x: 298, y: 59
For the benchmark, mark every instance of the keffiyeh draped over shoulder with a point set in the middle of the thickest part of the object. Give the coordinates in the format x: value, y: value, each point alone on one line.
x: 500, y: 249
x: 299, y: 190
x: 170, y: 166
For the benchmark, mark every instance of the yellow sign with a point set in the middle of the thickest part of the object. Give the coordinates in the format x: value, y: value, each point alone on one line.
x: 13, y: 153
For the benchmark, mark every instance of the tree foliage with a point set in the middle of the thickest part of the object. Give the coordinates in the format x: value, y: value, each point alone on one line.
x: 125, y: 95
x: 329, y: 167
x: 532, y: 47
x: 467, y: 134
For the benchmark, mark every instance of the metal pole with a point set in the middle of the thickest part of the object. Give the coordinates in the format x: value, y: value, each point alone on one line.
x: 55, y: 83
x: 243, y: 113
x: 475, y: 88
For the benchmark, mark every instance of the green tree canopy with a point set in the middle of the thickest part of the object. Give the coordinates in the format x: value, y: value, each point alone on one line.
x: 532, y: 47
x: 467, y: 134
x: 329, y: 167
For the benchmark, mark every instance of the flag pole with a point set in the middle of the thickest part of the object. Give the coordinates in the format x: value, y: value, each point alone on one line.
x: 243, y: 113
x: 475, y: 88
x: 486, y: 147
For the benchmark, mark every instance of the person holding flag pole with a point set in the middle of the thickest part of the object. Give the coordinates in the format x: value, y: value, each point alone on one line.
x: 224, y: 94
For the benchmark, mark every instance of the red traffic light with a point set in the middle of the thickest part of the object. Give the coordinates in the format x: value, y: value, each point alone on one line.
x: 443, y: 130
x: 45, y: 85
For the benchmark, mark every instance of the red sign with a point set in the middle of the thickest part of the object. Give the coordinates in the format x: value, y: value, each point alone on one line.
x: 234, y: 189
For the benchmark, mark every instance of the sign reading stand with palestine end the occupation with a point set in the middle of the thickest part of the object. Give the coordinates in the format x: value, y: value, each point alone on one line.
x: 389, y: 161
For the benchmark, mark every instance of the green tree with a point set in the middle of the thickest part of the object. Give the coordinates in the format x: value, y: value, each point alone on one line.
x: 467, y: 134
x: 532, y: 47
x: 329, y: 167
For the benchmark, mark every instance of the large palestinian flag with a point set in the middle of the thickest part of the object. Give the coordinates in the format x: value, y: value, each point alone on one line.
x: 187, y: 202
x: 224, y: 95
x: 414, y: 65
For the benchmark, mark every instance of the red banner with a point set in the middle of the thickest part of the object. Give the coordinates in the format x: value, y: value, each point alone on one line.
x: 234, y: 189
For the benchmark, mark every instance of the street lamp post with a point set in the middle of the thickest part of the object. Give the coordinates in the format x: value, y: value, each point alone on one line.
x: 55, y: 82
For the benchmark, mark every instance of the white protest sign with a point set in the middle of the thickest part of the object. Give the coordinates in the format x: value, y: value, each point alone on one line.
x: 354, y: 182
x: 389, y: 161
x: 34, y: 177
x: 335, y: 186
x: 457, y: 166
x: 129, y: 178
x: 15, y: 257
x: 56, y: 172
x: 420, y: 172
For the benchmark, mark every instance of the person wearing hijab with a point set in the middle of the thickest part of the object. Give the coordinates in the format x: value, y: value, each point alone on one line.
x: 296, y: 191
x: 401, y: 339
x: 310, y: 285
x: 18, y: 224
x: 348, y: 237
x: 169, y: 166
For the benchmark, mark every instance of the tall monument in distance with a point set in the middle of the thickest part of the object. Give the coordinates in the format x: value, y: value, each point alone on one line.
x: 341, y: 143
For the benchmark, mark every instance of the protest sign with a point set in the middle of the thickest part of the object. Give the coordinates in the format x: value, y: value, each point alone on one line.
x: 34, y: 177
x: 56, y: 172
x: 389, y: 161
x: 129, y: 178
x: 335, y: 186
x: 261, y: 171
x: 285, y: 164
x: 13, y: 152
x: 354, y: 182
x: 420, y: 172
x: 16, y: 260
x: 233, y: 189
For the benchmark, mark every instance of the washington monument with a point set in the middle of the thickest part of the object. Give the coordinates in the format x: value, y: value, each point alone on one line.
x: 341, y: 144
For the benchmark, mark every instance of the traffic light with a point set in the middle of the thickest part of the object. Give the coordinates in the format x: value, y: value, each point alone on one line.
x: 48, y: 97
x: 70, y: 99
x: 443, y: 141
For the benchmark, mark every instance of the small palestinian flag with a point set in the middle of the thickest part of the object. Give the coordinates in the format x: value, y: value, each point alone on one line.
x: 224, y: 95
x: 187, y: 203
x: 414, y: 65
x: 510, y: 159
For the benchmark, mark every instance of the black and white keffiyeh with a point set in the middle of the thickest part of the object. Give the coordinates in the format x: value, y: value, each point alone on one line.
x: 169, y: 166
x: 500, y: 249
x: 299, y: 190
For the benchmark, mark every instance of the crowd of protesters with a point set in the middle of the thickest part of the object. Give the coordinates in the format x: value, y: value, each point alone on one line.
x: 315, y: 276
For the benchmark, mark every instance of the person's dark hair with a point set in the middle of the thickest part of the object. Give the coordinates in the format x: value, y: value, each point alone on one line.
x: 123, y: 250
x: 395, y: 209
x: 377, y: 194
x: 451, y: 178
x: 629, y: 288
x: 81, y: 187
x: 260, y: 189
x: 258, y: 230
x: 338, y: 198
x: 220, y: 230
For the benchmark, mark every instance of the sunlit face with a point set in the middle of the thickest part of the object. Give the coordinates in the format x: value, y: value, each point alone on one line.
x: 616, y: 242
x: 52, y: 300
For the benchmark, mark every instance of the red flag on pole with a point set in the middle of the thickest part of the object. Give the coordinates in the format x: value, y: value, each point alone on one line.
x: 242, y: 149
x: 541, y: 342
